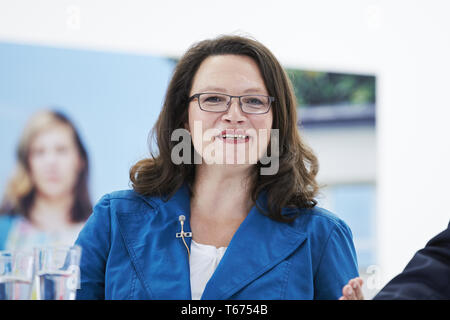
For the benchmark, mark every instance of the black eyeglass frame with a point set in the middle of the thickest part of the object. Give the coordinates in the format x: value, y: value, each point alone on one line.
x: 197, y: 95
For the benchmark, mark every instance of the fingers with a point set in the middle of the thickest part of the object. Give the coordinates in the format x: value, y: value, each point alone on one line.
x: 349, y: 293
x: 360, y: 280
x: 356, y: 285
x: 353, y: 290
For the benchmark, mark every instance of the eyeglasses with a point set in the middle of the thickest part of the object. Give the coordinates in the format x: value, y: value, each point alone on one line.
x: 220, y: 102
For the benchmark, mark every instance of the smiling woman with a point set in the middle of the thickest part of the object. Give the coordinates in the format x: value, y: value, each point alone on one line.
x: 220, y: 228
x: 236, y: 121
x: 232, y: 66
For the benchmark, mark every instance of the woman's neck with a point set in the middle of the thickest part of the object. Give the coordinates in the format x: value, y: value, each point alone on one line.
x: 51, y: 213
x: 222, y: 193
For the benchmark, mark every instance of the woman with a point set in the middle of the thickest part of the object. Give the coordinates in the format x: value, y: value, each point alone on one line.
x: 46, y: 201
x: 206, y: 221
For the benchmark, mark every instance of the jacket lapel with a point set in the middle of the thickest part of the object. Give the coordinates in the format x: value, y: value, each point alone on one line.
x: 159, y: 258
x: 258, y: 245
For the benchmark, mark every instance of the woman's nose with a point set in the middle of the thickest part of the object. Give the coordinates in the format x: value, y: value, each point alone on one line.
x: 234, y: 112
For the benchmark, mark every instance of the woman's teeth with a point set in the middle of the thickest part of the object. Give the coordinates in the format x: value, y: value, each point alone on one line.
x: 234, y: 136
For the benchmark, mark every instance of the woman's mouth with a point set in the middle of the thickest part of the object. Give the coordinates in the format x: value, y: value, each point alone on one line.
x: 233, y: 137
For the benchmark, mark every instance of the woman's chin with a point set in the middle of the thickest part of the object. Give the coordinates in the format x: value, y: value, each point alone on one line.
x: 53, y: 193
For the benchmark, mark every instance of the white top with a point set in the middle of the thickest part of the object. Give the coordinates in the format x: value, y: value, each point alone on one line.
x: 203, y: 261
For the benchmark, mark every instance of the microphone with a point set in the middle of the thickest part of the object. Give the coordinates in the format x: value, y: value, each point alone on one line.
x: 183, y: 234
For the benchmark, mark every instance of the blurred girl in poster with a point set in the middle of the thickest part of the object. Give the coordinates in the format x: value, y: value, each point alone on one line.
x: 46, y: 202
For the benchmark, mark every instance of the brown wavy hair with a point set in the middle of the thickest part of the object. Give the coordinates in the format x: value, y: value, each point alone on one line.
x: 294, y: 184
x: 20, y: 191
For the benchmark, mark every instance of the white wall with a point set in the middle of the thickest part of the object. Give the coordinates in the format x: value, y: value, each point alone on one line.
x: 405, y: 43
x: 346, y: 154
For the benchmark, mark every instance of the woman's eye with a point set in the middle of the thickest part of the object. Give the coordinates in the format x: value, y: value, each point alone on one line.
x: 214, y: 99
x: 254, y: 101
x: 61, y: 149
x: 37, y: 152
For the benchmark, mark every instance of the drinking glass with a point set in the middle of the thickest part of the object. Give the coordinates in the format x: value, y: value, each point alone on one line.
x: 16, y: 275
x: 57, y: 272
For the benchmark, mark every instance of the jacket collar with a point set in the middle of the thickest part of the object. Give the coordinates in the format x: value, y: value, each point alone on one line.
x: 162, y: 262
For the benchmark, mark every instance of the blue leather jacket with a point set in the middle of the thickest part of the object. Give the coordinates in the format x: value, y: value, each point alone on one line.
x: 130, y: 251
